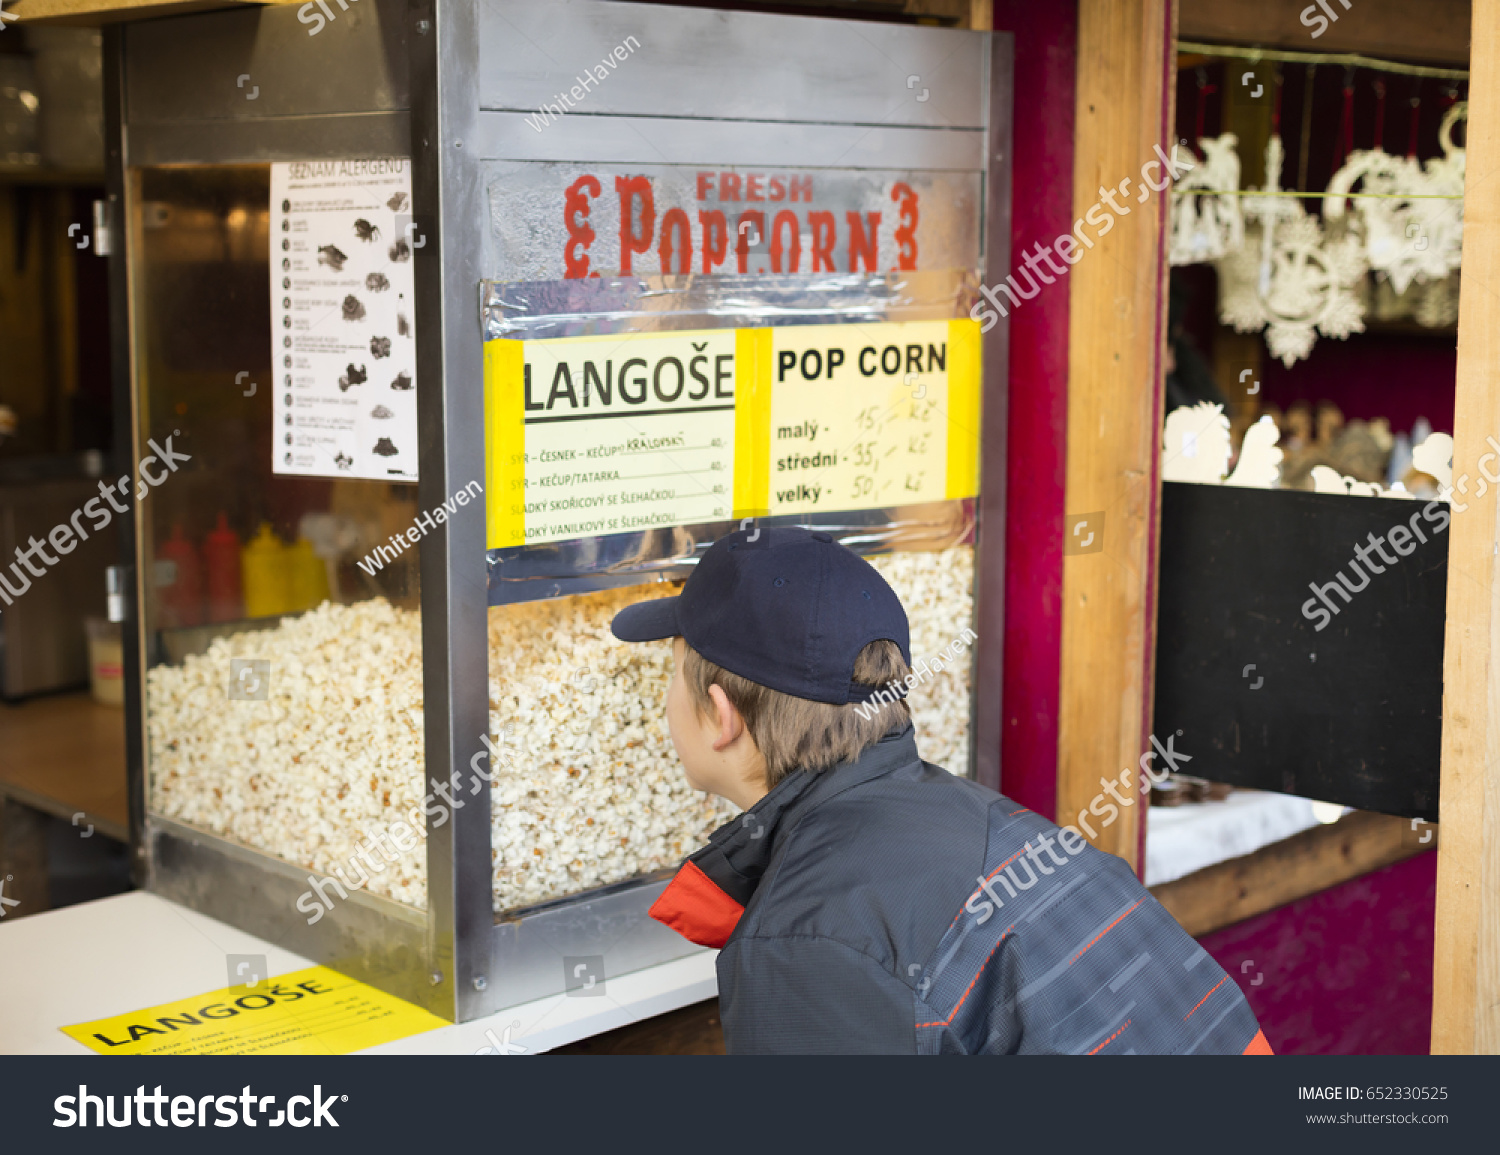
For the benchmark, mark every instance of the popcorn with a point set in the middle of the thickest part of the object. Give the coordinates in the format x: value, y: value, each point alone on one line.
x: 595, y: 793
x: 937, y: 590
x: 334, y: 751
x: 591, y: 792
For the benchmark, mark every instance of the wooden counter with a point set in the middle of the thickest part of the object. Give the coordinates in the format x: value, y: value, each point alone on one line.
x: 63, y: 754
x: 96, y: 12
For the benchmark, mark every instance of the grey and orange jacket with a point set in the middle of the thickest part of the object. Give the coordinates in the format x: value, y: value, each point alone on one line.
x: 886, y: 906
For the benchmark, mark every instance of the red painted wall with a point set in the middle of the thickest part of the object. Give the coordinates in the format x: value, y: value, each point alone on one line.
x: 1397, y: 376
x: 1344, y: 972
x: 1042, y: 209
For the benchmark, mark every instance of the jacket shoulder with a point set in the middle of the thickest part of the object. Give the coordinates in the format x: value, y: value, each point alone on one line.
x: 880, y: 868
x: 1059, y: 949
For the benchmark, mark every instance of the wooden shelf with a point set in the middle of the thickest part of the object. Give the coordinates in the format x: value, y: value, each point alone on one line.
x: 65, y: 754
x: 97, y: 12
x: 1293, y: 868
x: 41, y: 174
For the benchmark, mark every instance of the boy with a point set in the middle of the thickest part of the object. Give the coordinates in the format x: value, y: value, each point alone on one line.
x: 870, y: 902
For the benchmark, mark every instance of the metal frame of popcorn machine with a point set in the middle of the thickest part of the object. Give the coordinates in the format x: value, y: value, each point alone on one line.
x: 213, y: 117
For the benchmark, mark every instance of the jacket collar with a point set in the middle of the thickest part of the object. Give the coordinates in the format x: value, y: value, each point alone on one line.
x: 704, y: 902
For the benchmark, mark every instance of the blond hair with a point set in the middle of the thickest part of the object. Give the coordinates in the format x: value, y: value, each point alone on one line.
x: 795, y: 732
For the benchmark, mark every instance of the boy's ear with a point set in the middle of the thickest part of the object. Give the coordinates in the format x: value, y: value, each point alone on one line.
x: 726, y: 717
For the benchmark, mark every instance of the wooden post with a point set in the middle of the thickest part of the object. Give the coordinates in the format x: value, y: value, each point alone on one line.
x: 1466, y: 969
x: 1117, y: 313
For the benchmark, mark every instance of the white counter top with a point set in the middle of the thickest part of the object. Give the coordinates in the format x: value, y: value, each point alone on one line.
x: 1182, y: 839
x: 137, y: 950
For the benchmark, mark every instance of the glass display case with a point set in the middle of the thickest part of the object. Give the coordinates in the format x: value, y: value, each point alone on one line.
x: 377, y: 712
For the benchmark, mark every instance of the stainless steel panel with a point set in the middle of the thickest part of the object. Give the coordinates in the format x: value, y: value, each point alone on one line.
x: 263, y: 141
x: 667, y: 140
x: 694, y: 62
x: 535, y: 211
x: 191, y: 68
x: 703, y: 88
x: 386, y: 944
x: 989, y: 571
x: 124, y: 394
x: 372, y: 939
x: 535, y: 956
x: 447, y: 192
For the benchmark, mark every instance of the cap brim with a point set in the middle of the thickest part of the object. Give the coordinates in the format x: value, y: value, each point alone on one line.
x: 647, y: 621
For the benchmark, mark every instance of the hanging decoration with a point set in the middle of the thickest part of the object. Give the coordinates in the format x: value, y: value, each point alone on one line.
x: 1296, y: 276
x: 1207, y: 227
x: 1409, y: 229
x: 1289, y: 279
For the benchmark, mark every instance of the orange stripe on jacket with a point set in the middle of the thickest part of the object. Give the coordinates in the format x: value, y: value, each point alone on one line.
x: 949, y: 1020
x: 1205, y: 998
x: 1112, y: 1037
x: 1104, y: 932
x: 697, y: 909
x: 1258, y: 1045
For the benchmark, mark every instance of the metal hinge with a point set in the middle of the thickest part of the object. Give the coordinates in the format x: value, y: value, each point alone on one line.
x: 102, y: 244
x: 116, y: 583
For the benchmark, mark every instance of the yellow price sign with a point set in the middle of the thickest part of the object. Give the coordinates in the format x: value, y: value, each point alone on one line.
x: 869, y: 416
x: 595, y: 435
x: 316, y: 1011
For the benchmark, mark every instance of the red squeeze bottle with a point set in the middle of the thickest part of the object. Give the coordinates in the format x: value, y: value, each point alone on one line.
x: 221, y: 557
x: 182, y: 601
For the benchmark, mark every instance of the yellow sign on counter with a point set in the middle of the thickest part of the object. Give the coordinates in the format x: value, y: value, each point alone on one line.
x: 316, y: 1011
x: 587, y: 436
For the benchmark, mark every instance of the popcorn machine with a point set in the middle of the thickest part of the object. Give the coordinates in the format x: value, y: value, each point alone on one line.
x: 479, y: 321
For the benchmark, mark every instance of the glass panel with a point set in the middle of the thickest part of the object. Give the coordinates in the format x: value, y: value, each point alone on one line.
x: 284, y: 685
x: 593, y: 791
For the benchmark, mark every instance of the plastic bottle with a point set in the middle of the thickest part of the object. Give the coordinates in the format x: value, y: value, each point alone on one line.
x: 182, y: 600
x: 221, y: 564
x: 264, y: 572
x: 307, y: 576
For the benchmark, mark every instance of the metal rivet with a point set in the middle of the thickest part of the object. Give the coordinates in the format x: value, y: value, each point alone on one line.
x: 436, y: 977
x: 480, y: 982
x: 423, y: 27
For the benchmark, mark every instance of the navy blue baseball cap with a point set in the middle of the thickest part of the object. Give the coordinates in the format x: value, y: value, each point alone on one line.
x: 789, y: 609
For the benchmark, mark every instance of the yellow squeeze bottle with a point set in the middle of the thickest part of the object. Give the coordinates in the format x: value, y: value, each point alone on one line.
x: 307, y: 575
x: 264, y: 575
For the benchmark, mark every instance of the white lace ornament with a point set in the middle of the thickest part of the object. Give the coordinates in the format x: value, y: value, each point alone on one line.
x: 1206, y: 227
x: 1296, y: 282
x: 1195, y: 446
x: 1409, y: 233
